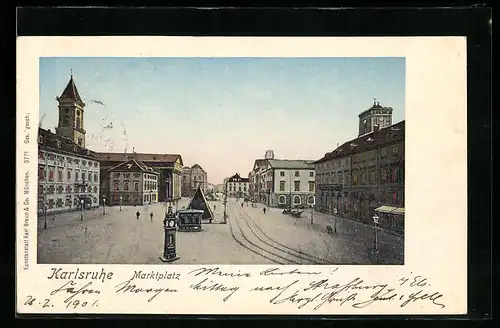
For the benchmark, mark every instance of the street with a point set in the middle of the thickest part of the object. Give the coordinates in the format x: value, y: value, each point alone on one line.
x: 249, y: 237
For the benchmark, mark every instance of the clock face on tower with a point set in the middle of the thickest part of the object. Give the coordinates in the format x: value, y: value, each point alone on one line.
x: 171, y: 223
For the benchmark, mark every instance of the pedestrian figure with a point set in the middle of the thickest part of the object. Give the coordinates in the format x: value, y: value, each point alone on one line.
x: 241, y: 204
x: 214, y: 207
x: 151, y: 216
x: 138, y: 214
x: 264, y: 209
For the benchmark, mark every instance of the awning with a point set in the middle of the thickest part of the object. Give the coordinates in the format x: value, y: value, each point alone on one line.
x: 399, y: 210
x: 385, y: 209
x: 391, y: 210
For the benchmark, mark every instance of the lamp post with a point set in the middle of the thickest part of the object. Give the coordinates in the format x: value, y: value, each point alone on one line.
x: 335, y: 220
x: 225, y: 203
x: 312, y: 213
x: 45, y: 214
x: 82, y: 203
x: 121, y: 203
x: 103, y: 205
x: 336, y: 211
x: 375, y: 229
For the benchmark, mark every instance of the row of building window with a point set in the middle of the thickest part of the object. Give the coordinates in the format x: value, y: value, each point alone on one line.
x: 128, y: 175
x: 68, y: 202
x: 126, y: 198
x: 296, y: 186
x: 69, y: 160
x: 387, y: 175
x: 363, y: 157
x: 66, y: 189
x: 297, y: 200
x: 386, y: 198
x: 231, y: 188
x: 85, y: 176
x: 148, y: 185
x: 296, y: 173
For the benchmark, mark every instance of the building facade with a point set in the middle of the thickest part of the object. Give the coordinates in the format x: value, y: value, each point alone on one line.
x: 256, y: 182
x: 288, y: 183
x: 237, y: 186
x: 186, y: 182
x: 68, y: 173
x: 198, y: 179
x: 132, y: 183
x: 363, y: 174
x: 375, y: 117
x: 168, y: 166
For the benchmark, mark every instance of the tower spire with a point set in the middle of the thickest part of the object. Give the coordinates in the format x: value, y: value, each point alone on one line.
x: 71, y: 72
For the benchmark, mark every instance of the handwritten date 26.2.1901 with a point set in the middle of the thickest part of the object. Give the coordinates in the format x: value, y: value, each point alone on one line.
x: 48, y: 303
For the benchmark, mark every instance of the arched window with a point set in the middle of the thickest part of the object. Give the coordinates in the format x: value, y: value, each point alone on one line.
x: 297, y: 200
x: 282, y: 199
x: 311, y: 200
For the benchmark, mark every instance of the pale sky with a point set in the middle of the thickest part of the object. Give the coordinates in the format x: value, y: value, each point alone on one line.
x: 223, y: 113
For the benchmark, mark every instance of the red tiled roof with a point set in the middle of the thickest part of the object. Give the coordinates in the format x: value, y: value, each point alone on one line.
x: 367, y: 141
x: 60, y: 143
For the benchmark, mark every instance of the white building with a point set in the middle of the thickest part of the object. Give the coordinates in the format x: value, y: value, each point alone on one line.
x: 288, y: 183
x: 67, y: 172
x: 236, y: 186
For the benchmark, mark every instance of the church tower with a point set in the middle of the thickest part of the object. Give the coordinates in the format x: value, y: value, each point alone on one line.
x: 374, y: 118
x: 71, y: 114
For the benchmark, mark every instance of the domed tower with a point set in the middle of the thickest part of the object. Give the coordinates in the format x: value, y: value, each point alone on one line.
x: 71, y: 114
x: 374, y: 118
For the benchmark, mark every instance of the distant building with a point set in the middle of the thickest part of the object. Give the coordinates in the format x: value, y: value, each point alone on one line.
x: 219, y: 188
x: 186, y: 182
x: 169, y: 167
x: 132, y: 183
x: 375, y: 117
x: 237, y: 186
x: 256, y: 182
x: 269, y: 154
x: 287, y: 183
x: 364, y: 174
x: 198, y: 179
x: 68, y: 173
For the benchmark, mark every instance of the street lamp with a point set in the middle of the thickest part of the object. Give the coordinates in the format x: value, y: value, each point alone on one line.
x: 312, y: 213
x: 121, y: 203
x: 82, y: 203
x: 375, y: 226
x: 45, y: 214
x: 103, y: 205
x: 225, y: 203
x: 335, y: 220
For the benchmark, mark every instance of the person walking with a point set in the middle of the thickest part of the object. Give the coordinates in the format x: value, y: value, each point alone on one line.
x: 138, y: 214
x: 264, y: 210
x: 151, y: 216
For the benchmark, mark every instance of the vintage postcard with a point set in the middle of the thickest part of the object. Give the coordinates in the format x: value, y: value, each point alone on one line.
x: 204, y: 175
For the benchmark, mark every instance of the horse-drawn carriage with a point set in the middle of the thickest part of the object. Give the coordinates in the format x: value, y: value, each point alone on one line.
x: 296, y: 213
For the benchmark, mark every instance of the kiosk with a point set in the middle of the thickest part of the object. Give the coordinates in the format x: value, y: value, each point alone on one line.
x: 190, y: 220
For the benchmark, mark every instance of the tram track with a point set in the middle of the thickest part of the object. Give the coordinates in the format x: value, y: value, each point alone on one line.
x: 270, y: 249
x: 241, y: 243
x: 283, y: 248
